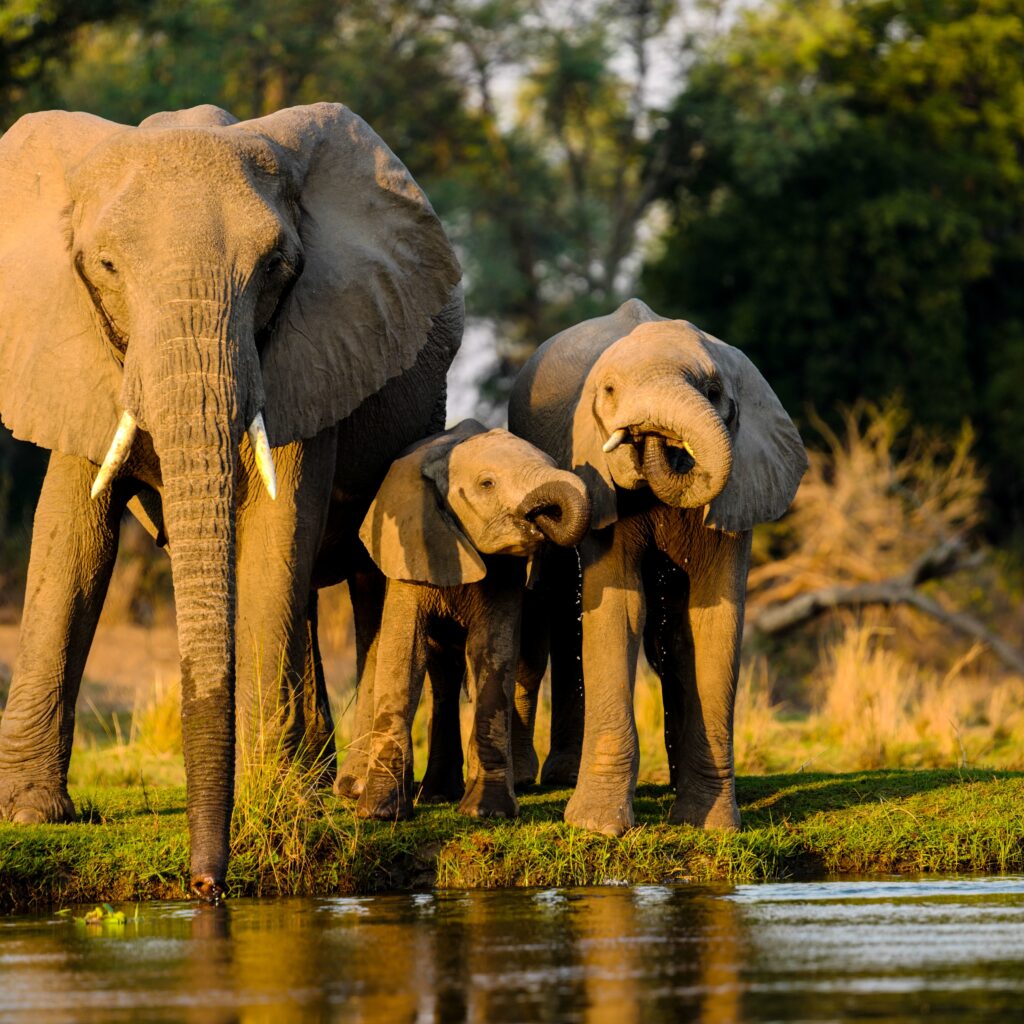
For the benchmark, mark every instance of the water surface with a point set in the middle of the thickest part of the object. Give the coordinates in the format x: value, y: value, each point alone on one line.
x: 894, y: 950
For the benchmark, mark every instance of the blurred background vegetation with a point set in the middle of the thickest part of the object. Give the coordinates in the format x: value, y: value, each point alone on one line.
x: 835, y: 186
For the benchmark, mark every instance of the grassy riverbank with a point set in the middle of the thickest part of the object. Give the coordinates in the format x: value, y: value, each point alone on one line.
x: 132, y: 843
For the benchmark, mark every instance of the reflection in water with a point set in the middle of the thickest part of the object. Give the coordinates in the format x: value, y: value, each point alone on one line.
x: 654, y: 954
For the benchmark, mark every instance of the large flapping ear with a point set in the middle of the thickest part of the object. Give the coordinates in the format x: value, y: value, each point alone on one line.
x: 378, y: 267
x: 59, y: 379
x: 409, y: 531
x: 768, y: 459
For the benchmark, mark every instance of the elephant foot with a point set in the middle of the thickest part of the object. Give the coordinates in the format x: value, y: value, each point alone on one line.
x: 714, y: 810
x: 386, y: 797
x: 489, y: 798
x: 561, y: 768
x: 349, y: 787
x: 610, y: 816
x: 524, y: 767
x: 34, y: 803
x: 442, y: 785
x: 351, y: 775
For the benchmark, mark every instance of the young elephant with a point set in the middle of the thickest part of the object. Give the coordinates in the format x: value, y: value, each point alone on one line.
x: 684, y: 448
x: 452, y: 527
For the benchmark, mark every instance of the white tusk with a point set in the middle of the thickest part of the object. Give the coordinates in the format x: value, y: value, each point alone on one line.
x: 116, y: 453
x: 615, y: 440
x: 261, y: 452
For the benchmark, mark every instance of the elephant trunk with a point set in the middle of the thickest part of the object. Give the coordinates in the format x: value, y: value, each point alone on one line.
x: 197, y: 403
x: 687, y: 448
x: 560, y: 509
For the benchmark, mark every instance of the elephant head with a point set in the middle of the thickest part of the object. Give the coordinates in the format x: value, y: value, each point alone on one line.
x: 465, y: 493
x: 667, y: 407
x: 193, y: 278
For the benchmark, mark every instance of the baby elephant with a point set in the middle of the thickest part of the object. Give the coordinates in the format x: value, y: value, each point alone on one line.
x: 452, y: 527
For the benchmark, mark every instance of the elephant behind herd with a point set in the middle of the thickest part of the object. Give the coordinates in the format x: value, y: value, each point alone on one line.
x: 244, y: 325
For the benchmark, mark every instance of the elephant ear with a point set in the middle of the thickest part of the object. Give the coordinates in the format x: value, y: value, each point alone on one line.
x: 378, y: 267
x: 409, y: 530
x: 59, y: 379
x: 769, y: 458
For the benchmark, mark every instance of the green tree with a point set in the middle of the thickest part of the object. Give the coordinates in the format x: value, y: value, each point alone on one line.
x: 847, y: 205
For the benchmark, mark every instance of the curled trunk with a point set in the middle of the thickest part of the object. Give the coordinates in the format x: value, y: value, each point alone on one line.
x: 561, y: 511
x: 687, y: 450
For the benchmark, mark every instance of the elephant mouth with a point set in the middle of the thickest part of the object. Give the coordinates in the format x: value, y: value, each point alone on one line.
x: 678, y: 453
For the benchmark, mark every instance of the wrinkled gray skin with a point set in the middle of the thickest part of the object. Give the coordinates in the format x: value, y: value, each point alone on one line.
x: 452, y: 527
x: 705, y: 452
x: 194, y: 271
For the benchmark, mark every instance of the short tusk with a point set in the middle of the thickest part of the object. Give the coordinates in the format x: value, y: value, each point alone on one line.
x: 117, y: 453
x: 615, y: 440
x: 261, y: 452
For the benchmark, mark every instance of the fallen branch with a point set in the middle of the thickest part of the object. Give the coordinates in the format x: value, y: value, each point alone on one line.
x: 949, y: 557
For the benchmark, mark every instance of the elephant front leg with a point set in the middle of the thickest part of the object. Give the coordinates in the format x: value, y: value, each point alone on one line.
x: 491, y: 654
x: 706, y: 780
x: 280, y: 712
x: 446, y: 668
x: 613, y: 622
x: 534, y: 646
x: 366, y: 587
x: 74, y: 544
x: 397, y: 685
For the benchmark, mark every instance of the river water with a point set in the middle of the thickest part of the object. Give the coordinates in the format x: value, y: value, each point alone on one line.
x: 894, y: 950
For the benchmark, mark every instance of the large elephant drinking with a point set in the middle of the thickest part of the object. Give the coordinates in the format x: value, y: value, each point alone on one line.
x: 176, y: 300
x: 684, y: 448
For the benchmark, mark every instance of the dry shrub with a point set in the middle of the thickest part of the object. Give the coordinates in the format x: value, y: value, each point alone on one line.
x: 878, y: 709
x: 877, y: 498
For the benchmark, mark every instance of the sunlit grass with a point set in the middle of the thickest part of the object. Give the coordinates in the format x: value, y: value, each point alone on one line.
x: 133, y: 844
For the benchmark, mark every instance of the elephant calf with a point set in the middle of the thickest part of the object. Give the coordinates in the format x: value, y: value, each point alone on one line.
x: 452, y: 527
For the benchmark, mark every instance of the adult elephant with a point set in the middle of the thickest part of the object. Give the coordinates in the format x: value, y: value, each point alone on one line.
x: 203, y: 290
x: 683, y: 447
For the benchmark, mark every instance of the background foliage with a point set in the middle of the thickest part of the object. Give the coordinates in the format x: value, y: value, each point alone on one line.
x: 836, y: 186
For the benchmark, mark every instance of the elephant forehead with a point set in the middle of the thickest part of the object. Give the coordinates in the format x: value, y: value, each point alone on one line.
x: 498, y: 450
x: 220, y: 158
x: 664, y: 341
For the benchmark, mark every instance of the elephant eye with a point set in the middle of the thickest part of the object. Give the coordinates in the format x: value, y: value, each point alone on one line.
x: 609, y: 389
x: 714, y: 391
x: 108, y: 265
x: 486, y: 483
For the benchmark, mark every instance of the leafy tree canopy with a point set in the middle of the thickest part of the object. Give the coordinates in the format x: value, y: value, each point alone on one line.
x: 847, y: 205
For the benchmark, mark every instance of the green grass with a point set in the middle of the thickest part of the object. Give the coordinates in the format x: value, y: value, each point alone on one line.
x: 132, y: 844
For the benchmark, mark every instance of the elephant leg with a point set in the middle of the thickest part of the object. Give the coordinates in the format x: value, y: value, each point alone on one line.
x: 534, y: 647
x: 401, y: 668
x: 706, y: 679
x: 667, y: 642
x: 613, y: 622
x: 492, y: 647
x: 366, y: 587
x: 278, y: 541
x: 446, y: 667
x: 74, y: 544
x: 568, y: 701
x: 319, y: 738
